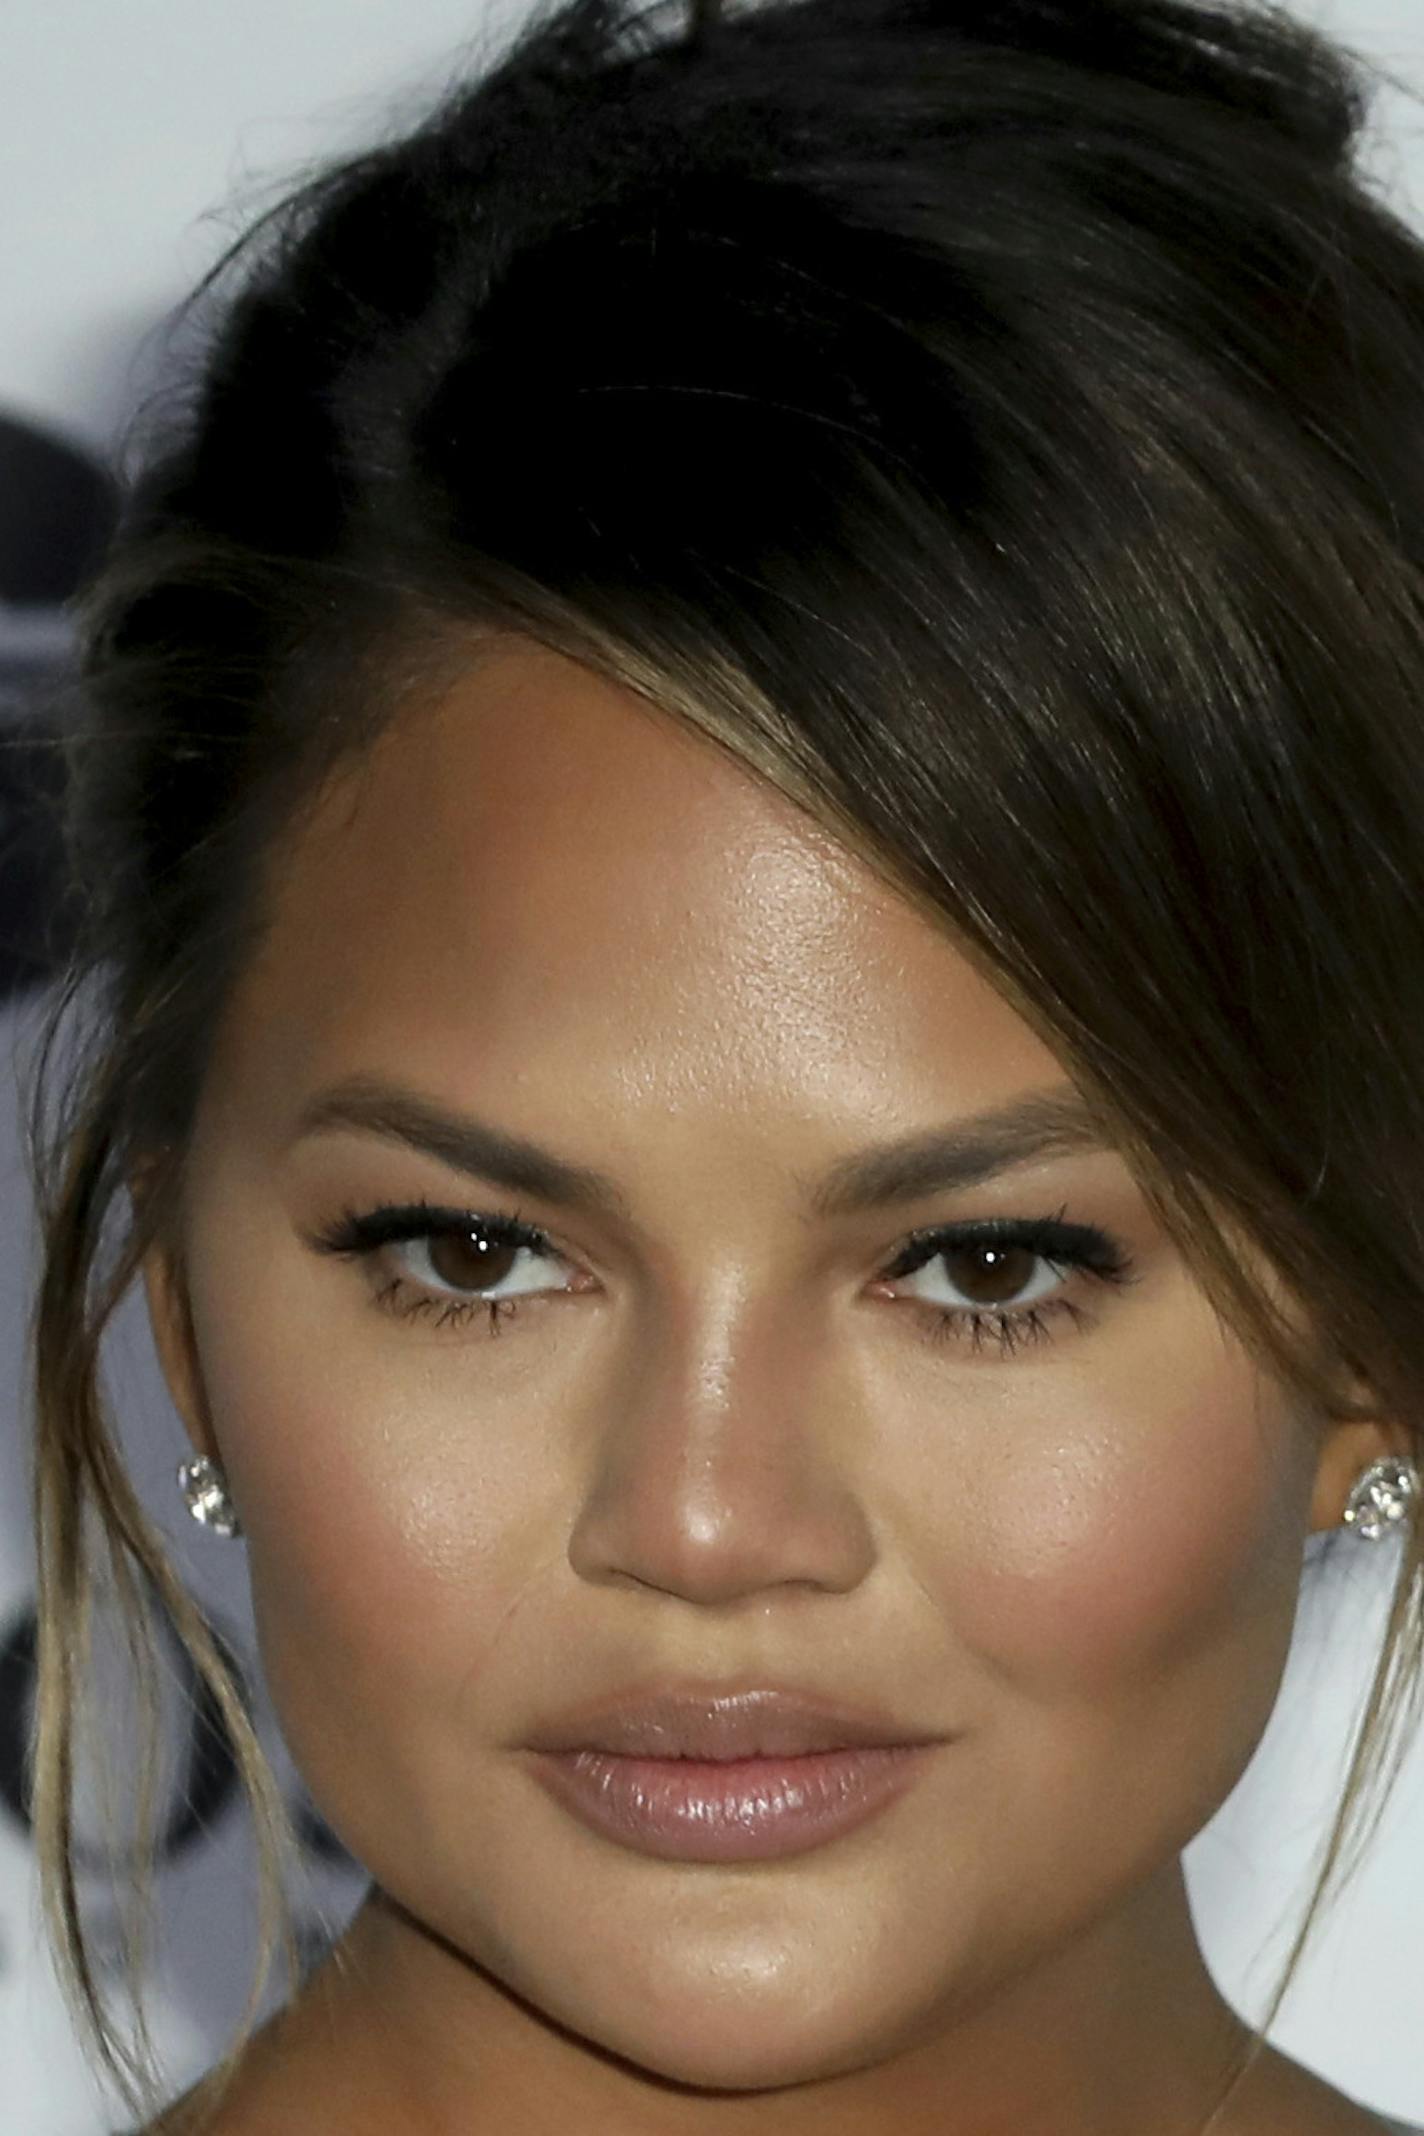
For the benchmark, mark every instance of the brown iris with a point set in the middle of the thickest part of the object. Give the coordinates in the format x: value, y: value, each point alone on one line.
x: 998, y: 1273
x: 468, y: 1261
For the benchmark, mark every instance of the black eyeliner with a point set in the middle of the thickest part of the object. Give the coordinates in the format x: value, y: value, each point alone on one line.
x: 1084, y: 1246
x: 354, y: 1232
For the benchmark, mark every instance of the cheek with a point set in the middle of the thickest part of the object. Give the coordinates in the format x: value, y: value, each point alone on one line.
x: 393, y: 1531
x: 1147, y: 1516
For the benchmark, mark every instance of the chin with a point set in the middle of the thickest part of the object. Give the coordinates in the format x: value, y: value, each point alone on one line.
x: 754, y: 2039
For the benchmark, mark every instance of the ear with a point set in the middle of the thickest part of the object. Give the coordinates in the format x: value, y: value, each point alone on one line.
x: 171, y: 1320
x: 1349, y: 1442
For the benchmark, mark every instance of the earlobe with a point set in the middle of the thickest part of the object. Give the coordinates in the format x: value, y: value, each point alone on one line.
x: 1348, y: 1446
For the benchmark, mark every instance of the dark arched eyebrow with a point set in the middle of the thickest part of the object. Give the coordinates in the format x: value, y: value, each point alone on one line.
x: 1053, y: 1122
x: 1056, y: 1122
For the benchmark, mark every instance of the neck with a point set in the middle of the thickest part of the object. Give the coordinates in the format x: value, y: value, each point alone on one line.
x: 1117, y: 2030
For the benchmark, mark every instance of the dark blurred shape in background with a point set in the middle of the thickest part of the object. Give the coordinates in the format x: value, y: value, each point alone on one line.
x: 57, y: 511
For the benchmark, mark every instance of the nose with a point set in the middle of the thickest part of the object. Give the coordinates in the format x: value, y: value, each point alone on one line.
x: 725, y: 1465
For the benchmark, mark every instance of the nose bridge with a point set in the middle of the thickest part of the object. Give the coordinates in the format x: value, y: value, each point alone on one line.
x: 719, y: 1469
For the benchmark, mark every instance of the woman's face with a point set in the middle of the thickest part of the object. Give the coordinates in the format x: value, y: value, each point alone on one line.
x: 717, y: 1439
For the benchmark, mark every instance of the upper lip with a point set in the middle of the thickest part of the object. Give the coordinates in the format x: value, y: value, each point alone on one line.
x: 691, y: 1720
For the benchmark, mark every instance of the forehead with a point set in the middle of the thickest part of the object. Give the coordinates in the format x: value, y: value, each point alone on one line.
x: 538, y: 863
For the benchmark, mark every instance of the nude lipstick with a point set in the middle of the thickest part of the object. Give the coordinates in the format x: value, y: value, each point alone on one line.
x: 687, y: 1774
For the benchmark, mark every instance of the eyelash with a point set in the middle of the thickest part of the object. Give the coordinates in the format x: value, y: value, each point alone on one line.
x: 1084, y: 1246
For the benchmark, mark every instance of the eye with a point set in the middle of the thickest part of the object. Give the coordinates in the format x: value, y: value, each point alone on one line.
x: 498, y: 1257
x: 991, y: 1265
x: 462, y: 1263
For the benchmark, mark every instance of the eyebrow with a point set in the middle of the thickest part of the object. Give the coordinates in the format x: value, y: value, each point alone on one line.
x: 1054, y: 1122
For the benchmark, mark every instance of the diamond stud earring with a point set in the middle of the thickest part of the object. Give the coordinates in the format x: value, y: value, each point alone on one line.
x: 205, y: 1488
x: 1382, y: 1497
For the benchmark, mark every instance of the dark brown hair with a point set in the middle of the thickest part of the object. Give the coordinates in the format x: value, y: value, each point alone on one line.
x: 997, y: 423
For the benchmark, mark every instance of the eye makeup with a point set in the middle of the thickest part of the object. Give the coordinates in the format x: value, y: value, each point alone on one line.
x: 497, y: 1237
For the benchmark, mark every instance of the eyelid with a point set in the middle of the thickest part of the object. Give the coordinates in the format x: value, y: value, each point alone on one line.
x: 1082, y: 1245
x: 360, y: 1235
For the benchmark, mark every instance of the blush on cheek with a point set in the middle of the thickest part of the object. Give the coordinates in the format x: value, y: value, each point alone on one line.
x: 382, y: 1548
x: 381, y: 1574
x: 1116, y: 1549
x: 380, y: 1628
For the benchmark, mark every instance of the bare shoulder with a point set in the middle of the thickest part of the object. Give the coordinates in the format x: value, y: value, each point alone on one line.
x: 1334, y: 2114
x: 192, y: 2115
x: 1287, y: 2099
x: 1338, y: 2115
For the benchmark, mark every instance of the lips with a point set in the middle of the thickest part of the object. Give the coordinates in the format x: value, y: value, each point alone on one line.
x: 691, y: 1720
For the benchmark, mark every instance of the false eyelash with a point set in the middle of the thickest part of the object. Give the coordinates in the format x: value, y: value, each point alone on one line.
x: 1060, y: 1244
x: 362, y: 1232
x: 1010, y: 1328
x: 358, y: 1234
x: 1051, y: 1239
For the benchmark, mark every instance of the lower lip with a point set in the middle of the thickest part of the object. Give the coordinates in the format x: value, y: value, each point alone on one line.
x: 741, y: 1810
